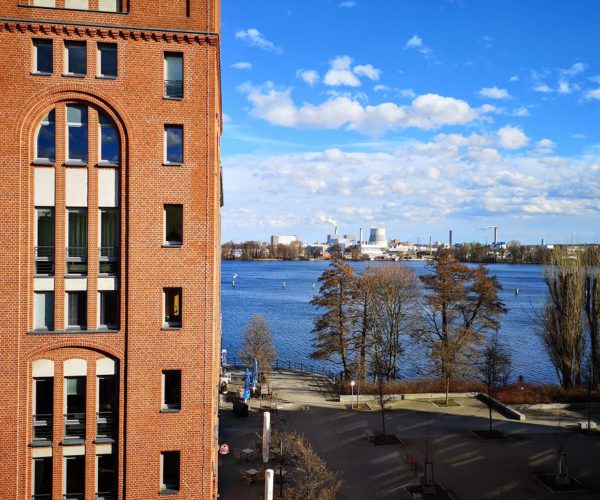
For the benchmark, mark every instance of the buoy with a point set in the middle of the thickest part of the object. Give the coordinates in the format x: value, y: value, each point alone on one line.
x: 516, y: 291
x: 283, y: 284
x: 233, y: 283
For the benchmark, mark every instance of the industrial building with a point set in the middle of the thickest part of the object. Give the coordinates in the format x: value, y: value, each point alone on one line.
x: 110, y: 206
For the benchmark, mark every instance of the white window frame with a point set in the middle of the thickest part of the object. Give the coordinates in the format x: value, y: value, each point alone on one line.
x: 163, y: 404
x: 70, y: 43
x: 164, y: 310
x: 99, y: 47
x: 35, y: 318
x: 165, y: 159
x: 165, y: 241
x: 33, y: 467
x: 163, y: 486
x: 34, y: 69
x: 101, y: 325
x: 180, y: 56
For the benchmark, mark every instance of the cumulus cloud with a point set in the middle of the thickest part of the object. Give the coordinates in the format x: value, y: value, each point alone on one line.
x: 367, y: 70
x: 513, y: 78
x: 512, y: 138
x: 341, y: 73
x: 427, y: 111
x: 494, y: 93
x: 593, y: 94
x: 309, y: 76
x: 347, y: 4
x: 254, y: 38
x: 543, y: 88
x: 521, y: 112
x: 241, y: 65
x: 415, y: 42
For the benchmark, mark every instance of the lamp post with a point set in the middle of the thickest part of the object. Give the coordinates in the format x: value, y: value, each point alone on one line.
x: 352, y: 384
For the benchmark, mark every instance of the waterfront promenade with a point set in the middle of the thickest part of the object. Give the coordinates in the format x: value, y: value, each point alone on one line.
x: 466, y: 466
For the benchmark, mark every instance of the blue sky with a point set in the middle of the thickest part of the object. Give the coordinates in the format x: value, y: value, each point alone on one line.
x: 420, y: 116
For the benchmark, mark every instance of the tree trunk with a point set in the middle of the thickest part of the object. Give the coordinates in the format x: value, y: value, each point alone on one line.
x: 447, y: 388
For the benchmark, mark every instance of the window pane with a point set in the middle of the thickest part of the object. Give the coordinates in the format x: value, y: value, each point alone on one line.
x: 75, y: 475
x: 109, y: 234
x: 77, y: 309
x: 173, y: 306
x: 174, y: 224
x: 45, y: 227
x: 108, y: 59
x: 170, y: 479
x: 44, y: 310
x: 106, y: 473
x: 44, y: 396
x: 46, y: 138
x: 108, y: 309
x: 43, y: 56
x: 109, y: 5
x: 78, y: 236
x: 106, y: 393
x: 78, y: 133
x: 76, y: 4
x: 42, y: 476
x: 172, y: 388
x: 109, y: 141
x: 174, y: 140
x: 76, y: 58
x: 174, y: 67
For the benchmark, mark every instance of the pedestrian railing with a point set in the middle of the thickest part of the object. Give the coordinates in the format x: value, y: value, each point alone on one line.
x: 286, y: 364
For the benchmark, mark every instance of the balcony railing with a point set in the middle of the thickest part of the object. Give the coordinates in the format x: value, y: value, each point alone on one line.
x: 74, y: 496
x: 42, y: 496
x: 174, y: 89
x: 77, y: 260
x: 105, y: 495
x: 75, y: 425
x: 42, y: 427
x: 105, y: 424
x: 44, y: 260
x: 108, y: 260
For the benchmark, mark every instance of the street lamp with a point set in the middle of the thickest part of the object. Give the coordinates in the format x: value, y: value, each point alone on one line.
x: 352, y: 384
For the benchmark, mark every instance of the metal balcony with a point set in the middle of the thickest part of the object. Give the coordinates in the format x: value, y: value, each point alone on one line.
x: 108, y: 258
x: 105, y: 424
x: 174, y: 89
x: 74, y: 496
x: 42, y: 427
x: 77, y: 260
x: 44, y: 260
x: 74, y: 425
x: 42, y: 496
x: 106, y: 495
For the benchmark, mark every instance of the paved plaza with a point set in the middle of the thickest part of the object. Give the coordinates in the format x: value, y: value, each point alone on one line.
x: 466, y: 466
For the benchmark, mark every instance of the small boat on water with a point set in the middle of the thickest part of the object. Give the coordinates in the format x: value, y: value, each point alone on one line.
x: 516, y: 291
x: 283, y: 284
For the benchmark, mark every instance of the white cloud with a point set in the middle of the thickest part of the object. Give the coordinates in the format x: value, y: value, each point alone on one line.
x: 241, y: 65
x: 341, y: 73
x: 348, y: 4
x: 574, y: 70
x: 513, y: 78
x: 494, y: 93
x: 255, y: 38
x: 309, y: 76
x: 521, y: 112
x: 543, y: 88
x: 428, y: 111
x: 593, y: 94
x: 512, y: 138
x: 367, y: 70
x: 381, y: 88
x: 226, y: 118
x: 414, y: 42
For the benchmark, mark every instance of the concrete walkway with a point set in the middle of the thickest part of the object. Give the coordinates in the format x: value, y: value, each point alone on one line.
x: 465, y: 465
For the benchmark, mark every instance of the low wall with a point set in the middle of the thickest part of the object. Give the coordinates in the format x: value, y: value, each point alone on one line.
x: 366, y: 398
x: 501, y: 408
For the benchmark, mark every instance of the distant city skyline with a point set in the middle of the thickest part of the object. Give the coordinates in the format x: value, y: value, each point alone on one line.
x: 417, y: 116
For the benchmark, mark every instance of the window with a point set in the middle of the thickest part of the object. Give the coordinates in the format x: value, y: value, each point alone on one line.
x: 75, y: 59
x: 109, y: 241
x: 109, y: 141
x: 74, y: 477
x: 75, y: 394
x: 42, y: 478
x: 44, y: 310
x: 77, y: 222
x: 173, y: 75
x: 77, y: 131
x: 169, y: 470
x: 173, y: 144
x: 42, y: 56
x: 76, y: 4
x: 174, y: 225
x: 109, y: 5
x: 106, y: 406
x: 172, y: 299
x: 45, y: 148
x: 171, y: 390
x: 107, y: 60
x: 105, y: 477
x: 108, y: 309
x: 77, y: 310
x: 43, y: 408
x: 44, y: 244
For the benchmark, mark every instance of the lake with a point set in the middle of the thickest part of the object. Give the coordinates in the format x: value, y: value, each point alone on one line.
x: 259, y: 290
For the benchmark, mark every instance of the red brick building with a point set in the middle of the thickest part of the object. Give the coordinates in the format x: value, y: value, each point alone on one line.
x: 109, y: 204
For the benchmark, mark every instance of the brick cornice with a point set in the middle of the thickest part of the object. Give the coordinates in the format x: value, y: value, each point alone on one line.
x: 109, y: 32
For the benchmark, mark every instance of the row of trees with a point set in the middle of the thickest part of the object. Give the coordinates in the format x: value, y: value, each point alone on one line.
x: 256, y: 250
x: 366, y: 319
x: 569, y: 323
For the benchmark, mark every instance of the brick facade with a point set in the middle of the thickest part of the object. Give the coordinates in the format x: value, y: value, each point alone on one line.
x: 140, y: 347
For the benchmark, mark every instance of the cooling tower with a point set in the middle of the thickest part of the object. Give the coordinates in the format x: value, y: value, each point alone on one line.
x: 377, y: 236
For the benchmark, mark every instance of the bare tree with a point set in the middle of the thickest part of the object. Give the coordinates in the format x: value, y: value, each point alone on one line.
x: 591, y: 259
x: 494, y: 369
x: 561, y: 326
x: 461, y: 305
x: 332, y: 332
x: 380, y: 384
x: 257, y: 342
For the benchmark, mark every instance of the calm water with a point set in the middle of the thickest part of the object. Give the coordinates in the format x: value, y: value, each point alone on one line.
x: 259, y: 290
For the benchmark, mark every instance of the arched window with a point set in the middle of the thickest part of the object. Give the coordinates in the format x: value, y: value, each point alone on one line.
x: 108, y: 141
x: 45, y: 150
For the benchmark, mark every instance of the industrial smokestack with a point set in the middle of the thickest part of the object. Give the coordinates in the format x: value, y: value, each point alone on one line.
x: 450, y: 238
x: 360, y: 235
x: 495, y: 234
x: 336, y: 230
